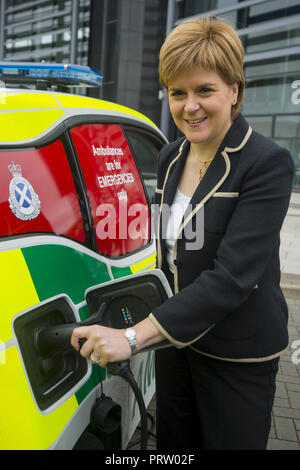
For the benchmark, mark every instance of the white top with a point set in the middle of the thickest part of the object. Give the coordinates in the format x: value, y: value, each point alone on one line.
x: 177, y: 211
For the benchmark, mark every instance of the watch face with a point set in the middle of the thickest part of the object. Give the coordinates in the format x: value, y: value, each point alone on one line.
x: 130, y: 334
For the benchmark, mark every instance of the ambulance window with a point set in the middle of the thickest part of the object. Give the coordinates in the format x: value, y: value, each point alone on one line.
x: 37, y: 193
x: 145, y: 149
x: 117, y: 199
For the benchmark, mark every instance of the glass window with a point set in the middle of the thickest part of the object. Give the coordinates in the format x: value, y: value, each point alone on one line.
x: 261, y: 124
x: 273, y: 39
x: 271, y: 95
x: 145, y: 151
x: 287, y: 126
x: 275, y: 9
x: 117, y: 199
x: 37, y: 193
x: 276, y: 67
x: 43, y: 31
x: 192, y: 7
x: 293, y: 145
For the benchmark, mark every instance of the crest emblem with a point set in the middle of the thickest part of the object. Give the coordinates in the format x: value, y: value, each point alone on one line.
x: 23, y: 201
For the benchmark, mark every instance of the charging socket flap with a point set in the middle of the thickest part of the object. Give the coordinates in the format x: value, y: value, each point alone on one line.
x: 130, y: 299
x: 53, y: 376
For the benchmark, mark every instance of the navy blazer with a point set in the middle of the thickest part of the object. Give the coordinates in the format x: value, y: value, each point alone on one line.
x: 228, y: 302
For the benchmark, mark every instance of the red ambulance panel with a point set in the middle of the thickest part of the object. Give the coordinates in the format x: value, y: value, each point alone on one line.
x: 117, y: 199
x: 37, y: 193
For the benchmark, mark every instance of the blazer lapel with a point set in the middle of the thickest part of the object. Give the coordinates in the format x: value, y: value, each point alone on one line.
x: 168, y: 192
x: 174, y: 174
x: 214, y: 177
x: 219, y: 168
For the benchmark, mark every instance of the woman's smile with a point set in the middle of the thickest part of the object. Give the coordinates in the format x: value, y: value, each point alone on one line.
x: 196, y: 122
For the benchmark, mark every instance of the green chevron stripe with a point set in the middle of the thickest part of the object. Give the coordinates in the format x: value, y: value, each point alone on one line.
x: 65, y: 271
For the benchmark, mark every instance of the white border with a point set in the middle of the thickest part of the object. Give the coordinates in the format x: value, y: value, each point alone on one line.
x: 37, y: 240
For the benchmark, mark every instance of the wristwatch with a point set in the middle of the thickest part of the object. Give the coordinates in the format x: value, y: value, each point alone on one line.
x: 131, y: 336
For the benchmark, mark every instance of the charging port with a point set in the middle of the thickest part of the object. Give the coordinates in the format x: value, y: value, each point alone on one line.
x: 55, y: 373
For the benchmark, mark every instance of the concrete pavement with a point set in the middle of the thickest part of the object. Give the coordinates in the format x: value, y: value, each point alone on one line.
x: 285, y: 430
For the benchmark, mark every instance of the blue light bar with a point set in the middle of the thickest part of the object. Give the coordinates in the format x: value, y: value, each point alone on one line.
x: 68, y: 75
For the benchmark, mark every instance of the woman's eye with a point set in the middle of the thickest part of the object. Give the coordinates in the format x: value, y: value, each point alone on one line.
x: 177, y: 93
x: 182, y: 93
x: 205, y: 90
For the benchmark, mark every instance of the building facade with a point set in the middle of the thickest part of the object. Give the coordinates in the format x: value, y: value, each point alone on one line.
x: 270, y: 32
x: 122, y: 38
x: 44, y: 30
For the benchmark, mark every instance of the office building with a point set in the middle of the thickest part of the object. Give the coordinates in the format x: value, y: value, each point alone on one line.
x: 270, y: 32
x: 122, y: 38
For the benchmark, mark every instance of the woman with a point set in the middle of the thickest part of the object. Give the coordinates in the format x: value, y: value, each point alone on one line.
x: 228, y: 317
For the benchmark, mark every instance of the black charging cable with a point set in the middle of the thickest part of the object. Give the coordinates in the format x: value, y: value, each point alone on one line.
x: 150, y: 432
x: 122, y: 369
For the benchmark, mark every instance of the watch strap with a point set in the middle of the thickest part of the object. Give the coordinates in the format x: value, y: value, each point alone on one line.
x: 131, y: 337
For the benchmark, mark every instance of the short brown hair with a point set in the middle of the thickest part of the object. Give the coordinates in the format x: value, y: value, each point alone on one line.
x: 209, y: 43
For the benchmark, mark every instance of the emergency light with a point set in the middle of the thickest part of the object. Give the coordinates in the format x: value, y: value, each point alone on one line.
x: 67, y: 75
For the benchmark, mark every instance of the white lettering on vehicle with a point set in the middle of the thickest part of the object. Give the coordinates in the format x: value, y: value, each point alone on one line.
x: 115, y: 180
x: 98, y: 151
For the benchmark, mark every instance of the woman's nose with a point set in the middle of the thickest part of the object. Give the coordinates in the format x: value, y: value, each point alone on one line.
x: 192, y: 104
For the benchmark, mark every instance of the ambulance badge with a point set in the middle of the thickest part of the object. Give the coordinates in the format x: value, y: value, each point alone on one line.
x: 23, y: 201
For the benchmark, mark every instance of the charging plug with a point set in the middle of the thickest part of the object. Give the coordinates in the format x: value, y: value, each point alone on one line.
x: 51, y: 339
x: 120, y: 368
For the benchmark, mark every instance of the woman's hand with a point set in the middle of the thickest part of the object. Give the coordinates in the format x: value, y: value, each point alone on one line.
x: 106, y: 345
x: 103, y: 344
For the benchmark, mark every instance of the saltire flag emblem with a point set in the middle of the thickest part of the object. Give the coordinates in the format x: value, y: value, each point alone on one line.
x: 23, y: 200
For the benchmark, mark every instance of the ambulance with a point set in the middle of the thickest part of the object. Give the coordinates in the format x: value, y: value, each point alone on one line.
x: 78, y: 176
